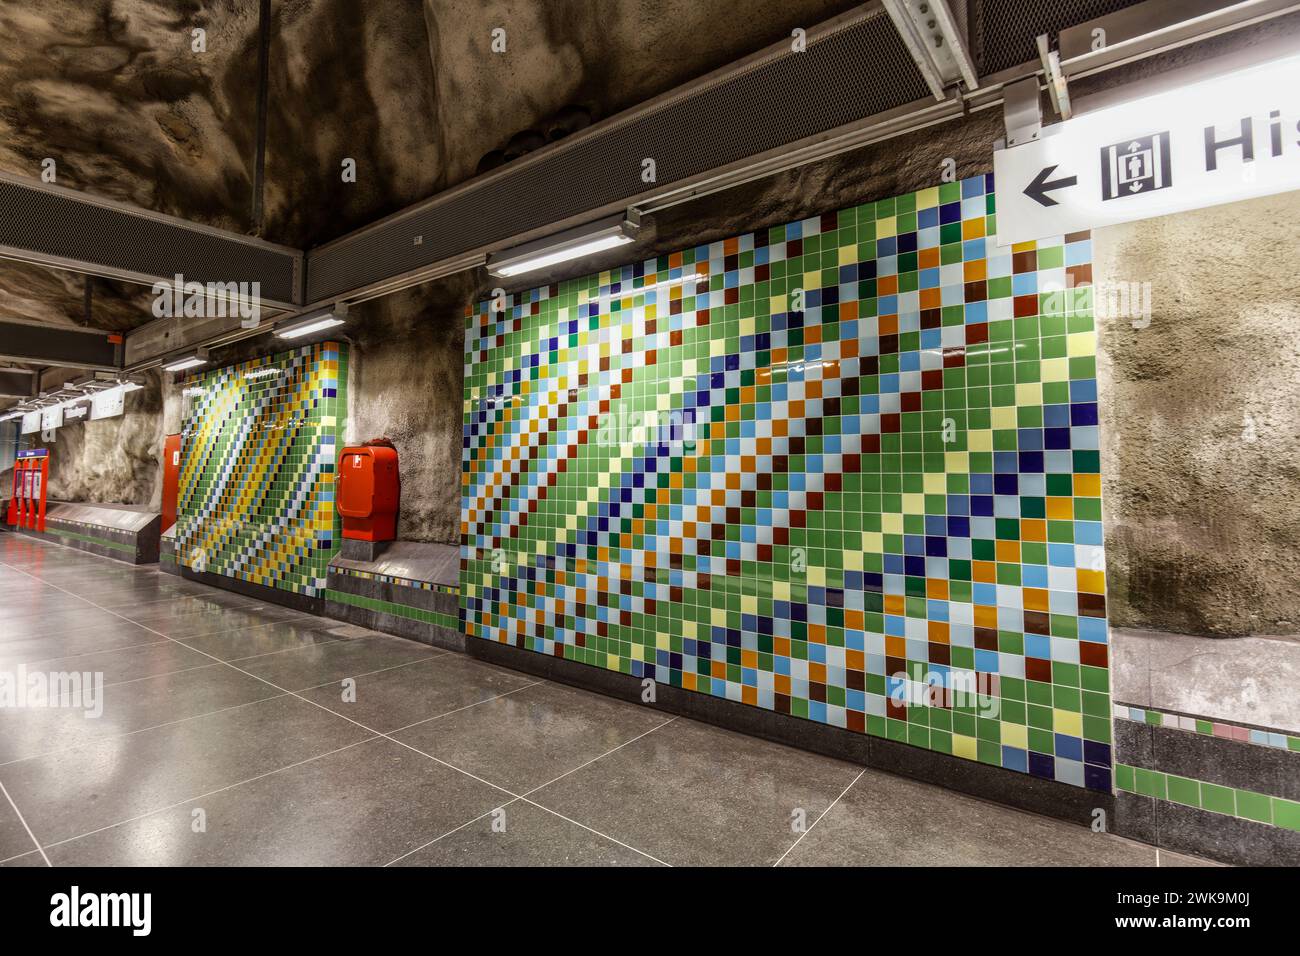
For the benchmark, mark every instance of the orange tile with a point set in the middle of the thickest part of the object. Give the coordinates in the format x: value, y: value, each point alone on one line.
x: 1060, y: 509
x: 1091, y: 582
x: 1008, y: 552
x: 1087, y: 486
x: 1035, y: 599
x: 986, y: 616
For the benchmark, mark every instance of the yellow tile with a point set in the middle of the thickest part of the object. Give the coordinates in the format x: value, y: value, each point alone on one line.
x: 1067, y: 722
x: 1015, y: 735
x: 963, y: 746
x: 1081, y: 344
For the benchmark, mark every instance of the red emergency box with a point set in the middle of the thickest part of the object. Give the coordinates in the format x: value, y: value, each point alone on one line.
x: 368, y: 492
x: 27, y: 508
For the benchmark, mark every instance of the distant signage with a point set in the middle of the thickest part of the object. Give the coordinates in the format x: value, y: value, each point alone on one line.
x: 76, y: 412
x: 31, y: 423
x: 107, y: 404
x: 33, y: 453
x: 1217, y: 141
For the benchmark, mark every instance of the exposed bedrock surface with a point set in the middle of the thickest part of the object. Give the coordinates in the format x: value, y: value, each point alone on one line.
x: 1201, y: 420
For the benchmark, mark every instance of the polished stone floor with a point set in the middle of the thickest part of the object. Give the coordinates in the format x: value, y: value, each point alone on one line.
x: 237, y: 732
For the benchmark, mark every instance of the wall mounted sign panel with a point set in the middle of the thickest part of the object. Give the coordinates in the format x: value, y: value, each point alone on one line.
x: 51, y: 417
x: 31, y: 423
x: 1203, y: 144
x: 107, y: 404
x: 77, y: 412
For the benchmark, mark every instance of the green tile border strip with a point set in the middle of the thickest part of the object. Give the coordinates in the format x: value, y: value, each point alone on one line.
x: 1207, y: 727
x: 436, y: 618
x: 1229, y: 801
x: 89, y: 539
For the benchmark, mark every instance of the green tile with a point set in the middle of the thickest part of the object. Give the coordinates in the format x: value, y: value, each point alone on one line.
x: 1254, y: 806
x: 1219, y: 799
x: 1184, y: 790
x: 1286, y: 813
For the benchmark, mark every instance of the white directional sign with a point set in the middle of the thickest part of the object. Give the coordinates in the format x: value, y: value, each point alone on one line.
x: 1215, y: 141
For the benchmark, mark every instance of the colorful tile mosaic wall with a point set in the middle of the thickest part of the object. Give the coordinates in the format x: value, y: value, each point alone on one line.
x: 844, y: 469
x: 259, y: 443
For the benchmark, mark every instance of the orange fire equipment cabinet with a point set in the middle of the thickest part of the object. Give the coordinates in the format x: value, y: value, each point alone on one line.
x: 368, y: 491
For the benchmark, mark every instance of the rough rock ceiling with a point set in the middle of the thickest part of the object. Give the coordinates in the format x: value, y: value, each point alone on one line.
x: 114, y: 93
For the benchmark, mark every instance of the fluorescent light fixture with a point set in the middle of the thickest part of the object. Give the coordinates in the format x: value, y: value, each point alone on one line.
x: 313, y: 322
x: 563, y: 246
x: 183, y: 361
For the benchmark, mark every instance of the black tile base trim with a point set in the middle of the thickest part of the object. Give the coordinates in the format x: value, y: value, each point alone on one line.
x: 430, y: 634
x: 1228, y: 763
x: 290, y: 599
x: 1046, y: 797
x: 1221, y: 837
x: 77, y: 539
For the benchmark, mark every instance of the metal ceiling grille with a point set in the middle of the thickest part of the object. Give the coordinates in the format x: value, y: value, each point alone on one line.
x: 63, y: 226
x: 855, y: 72
x: 1003, y: 32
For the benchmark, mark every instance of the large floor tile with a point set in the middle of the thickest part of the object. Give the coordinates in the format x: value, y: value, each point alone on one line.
x: 14, y: 838
x: 530, y: 737
x: 891, y: 821
x: 27, y: 859
x: 31, y: 731
x: 365, y: 805
x: 195, y: 618
x: 691, y: 794
x: 273, y: 637
x: 93, y: 786
x: 420, y: 691
x: 55, y: 621
x: 89, y: 640
x: 120, y: 664
x: 327, y: 663
x: 520, y: 834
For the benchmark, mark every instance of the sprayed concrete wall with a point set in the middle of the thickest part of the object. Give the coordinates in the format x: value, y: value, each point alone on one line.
x: 1201, y: 420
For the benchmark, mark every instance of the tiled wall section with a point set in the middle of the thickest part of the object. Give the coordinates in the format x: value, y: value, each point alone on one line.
x: 259, y: 442
x: 879, y: 472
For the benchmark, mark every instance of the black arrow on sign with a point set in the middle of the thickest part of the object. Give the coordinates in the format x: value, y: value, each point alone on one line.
x: 1040, y: 187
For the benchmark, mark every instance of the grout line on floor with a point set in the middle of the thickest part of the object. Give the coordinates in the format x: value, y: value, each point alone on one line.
x: 819, y: 817
x: 204, y: 796
x: 96, y: 741
x: 40, y: 849
x: 526, y: 794
x: 349, y: 719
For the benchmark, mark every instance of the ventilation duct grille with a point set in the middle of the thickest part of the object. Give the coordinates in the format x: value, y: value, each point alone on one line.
x: 1004, y: 32
x: 59, y: 228
x: 854, y: 72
